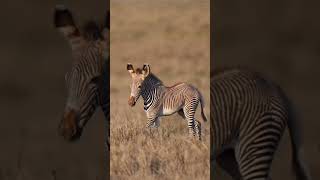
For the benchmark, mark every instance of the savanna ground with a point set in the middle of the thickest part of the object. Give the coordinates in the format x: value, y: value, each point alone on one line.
x: 173, y: 37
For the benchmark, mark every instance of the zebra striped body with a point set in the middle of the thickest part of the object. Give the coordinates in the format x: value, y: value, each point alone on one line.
x: 248, y: 117
x: 88, y: 80
x: 160, y: 100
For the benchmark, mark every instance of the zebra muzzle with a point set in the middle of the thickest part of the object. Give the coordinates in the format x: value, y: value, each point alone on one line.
x: 68, y: 127
x: 131, y: 101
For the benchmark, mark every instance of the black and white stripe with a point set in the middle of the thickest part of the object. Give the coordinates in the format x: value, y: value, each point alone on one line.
x: 160, y: 100
x: 88, y: 81
x: 248, y: 117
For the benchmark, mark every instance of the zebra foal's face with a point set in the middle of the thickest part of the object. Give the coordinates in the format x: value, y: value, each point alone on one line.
x: 81, y: 101
x: 90, y: 48
x: 137, y: 76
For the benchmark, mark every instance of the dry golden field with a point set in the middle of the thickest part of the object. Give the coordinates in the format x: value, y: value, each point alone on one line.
x: 173, y: 37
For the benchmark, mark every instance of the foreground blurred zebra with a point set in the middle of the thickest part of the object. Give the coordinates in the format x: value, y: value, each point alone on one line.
x: 248, y: 117
x: 88, y: 79
x: 160, y: 100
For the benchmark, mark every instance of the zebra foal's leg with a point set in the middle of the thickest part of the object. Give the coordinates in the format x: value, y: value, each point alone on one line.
x: 255, y: 163
x: 197, y: 124
x: 153, y: 121
x: 255, y: 156
x: 156, y: 123
x: 189, y: 113
x: 256, y: 149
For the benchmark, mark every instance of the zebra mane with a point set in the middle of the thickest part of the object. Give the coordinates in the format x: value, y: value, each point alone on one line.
x: 91, y: 31
x: 154, y: 78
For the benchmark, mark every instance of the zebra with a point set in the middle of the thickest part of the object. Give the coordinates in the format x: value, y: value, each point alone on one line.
x: 88, y: 80
x: 248, y: 117
x: 160, y: 100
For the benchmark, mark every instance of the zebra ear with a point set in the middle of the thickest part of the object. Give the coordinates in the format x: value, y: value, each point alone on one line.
x: 63, y: 21
x: 130, y: 68
x: 146, y: 70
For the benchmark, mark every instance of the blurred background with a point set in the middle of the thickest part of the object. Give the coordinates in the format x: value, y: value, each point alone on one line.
x: 174, y: 38
x: 281, y: 40
x: 34, y: 59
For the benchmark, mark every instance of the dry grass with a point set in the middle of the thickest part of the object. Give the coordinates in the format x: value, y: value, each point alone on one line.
x: 173, y: 37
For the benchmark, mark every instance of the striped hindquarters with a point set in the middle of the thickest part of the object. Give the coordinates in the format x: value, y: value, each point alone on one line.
x: 248, y: 114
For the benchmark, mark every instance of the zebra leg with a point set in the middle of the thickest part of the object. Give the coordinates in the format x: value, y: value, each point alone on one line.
x: 227, y: 161
x: 255, y: 150
x: 255, y: 157
x: 189, y: 113
x: 156, y: 123
x: 197, y: 127
x: 153, y: 120
x: 197, y: 124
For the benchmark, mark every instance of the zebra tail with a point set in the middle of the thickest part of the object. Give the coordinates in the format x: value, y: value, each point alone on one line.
x: 298, y: 163
x: 202, y: 108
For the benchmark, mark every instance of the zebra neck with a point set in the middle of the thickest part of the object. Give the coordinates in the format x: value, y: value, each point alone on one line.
x: 148, y: 97
x: 151, y: 94
x: 151, y: 89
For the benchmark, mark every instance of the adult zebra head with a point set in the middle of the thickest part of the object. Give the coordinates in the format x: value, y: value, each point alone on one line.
x: 90, y: 49
x: 138, y: 76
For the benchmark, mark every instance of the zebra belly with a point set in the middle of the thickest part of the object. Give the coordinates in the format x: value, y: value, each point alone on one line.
x: 168, y: 111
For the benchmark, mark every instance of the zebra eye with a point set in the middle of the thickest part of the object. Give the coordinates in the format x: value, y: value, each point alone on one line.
x: 139, y: 87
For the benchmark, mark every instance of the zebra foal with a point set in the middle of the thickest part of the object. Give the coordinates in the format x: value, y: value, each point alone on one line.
x: 160, y: 100
x: 248, y: 117
x: 87, y: 81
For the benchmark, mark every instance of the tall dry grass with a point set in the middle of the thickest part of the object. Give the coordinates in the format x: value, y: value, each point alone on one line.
x: 173, y: 37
